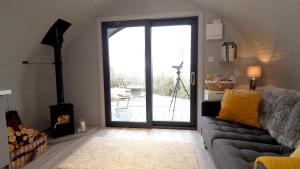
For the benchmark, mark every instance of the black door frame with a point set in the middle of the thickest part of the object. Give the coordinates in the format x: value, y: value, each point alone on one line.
x: 120, y: 24
x: 193, y: 21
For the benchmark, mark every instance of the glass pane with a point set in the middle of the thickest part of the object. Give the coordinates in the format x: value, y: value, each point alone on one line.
x: 127, y: 74
x: 171, y: 60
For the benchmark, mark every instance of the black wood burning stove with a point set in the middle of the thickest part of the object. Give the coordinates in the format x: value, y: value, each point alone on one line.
x: 62, y: 115
x: 62, y: 120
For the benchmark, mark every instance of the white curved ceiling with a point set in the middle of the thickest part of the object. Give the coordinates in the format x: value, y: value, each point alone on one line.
x: 263, y: 22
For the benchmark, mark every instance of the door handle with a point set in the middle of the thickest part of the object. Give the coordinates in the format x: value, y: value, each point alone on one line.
x: 193, y: 78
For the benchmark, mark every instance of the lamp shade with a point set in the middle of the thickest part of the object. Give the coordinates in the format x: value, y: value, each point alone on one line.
x: 254, y: 71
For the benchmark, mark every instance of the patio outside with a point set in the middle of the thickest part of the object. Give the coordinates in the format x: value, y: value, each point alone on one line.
x: 127, y: 74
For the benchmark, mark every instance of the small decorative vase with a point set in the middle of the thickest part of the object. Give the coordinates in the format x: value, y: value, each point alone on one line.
x: 82, y: 126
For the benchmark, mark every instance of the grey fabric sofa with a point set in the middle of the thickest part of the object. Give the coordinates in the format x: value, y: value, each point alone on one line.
x: 235, y: 146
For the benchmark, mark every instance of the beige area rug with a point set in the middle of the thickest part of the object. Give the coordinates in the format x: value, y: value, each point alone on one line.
x: 113, y: 153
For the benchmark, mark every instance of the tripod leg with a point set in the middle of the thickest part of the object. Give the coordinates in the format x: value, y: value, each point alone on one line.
x: 173, y: 94
x: 184, y: 88
x: 174, y: 103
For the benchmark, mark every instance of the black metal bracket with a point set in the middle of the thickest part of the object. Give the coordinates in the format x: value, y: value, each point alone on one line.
x: 26, y: 62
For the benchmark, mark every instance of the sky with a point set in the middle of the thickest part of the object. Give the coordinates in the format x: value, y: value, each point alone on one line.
x: 170, y: 46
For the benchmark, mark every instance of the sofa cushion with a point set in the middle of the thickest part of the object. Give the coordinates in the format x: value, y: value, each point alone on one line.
x: 213, y: 129
x: 240, y: 106
x: 236, y: 154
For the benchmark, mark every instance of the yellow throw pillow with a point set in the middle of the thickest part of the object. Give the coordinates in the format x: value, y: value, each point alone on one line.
x: 296, y: 153
x: 240, y: 106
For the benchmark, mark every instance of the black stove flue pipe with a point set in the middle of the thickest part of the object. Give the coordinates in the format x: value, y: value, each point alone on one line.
x: 54, y: 38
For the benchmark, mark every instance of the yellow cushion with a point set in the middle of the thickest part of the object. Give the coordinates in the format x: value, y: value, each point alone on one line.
x: 296, y: 153
x: 240, y: 106
x: 278, y: 162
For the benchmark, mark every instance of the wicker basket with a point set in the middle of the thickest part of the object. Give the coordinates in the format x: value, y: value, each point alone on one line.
x: 219, y: 85
x: 25, y: 154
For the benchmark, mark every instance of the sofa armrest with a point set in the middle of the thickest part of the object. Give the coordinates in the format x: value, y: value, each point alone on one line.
x: 211, y: 108
x: 266, y: 162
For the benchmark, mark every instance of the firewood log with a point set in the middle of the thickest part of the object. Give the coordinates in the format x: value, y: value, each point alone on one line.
x: 30, y: 135
x: 12, y: 138
x: 30, y: 140
x: 25, y: 138
x: 17, y: 146
x: 29, y: 131
x: 35, y: 133
x: 23, y: 130
x: 10, y: 131
x: 22, y: 143
x: 18, y: 133
x: 11, y: 147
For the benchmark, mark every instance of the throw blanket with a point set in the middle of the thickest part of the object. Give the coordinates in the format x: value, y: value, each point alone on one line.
x: 278, y: 162
x: 280, y: 114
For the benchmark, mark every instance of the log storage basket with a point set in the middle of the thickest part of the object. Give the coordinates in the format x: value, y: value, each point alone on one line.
x: 25, y: 154
x: 219, y: 85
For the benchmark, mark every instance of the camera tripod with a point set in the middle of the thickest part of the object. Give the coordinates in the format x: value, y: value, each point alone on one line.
x: 177, y: 88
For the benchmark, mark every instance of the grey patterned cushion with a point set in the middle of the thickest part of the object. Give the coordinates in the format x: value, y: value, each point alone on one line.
x: 280, y: 114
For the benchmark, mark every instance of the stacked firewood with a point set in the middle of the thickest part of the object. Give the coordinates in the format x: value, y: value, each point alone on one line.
x: 20, y: 136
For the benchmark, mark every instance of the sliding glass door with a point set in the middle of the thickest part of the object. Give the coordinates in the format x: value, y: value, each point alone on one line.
x: 150, y: 72
x: 124, y: 45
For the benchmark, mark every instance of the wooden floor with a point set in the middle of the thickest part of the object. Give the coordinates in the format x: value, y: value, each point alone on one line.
x: 57, y: 153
